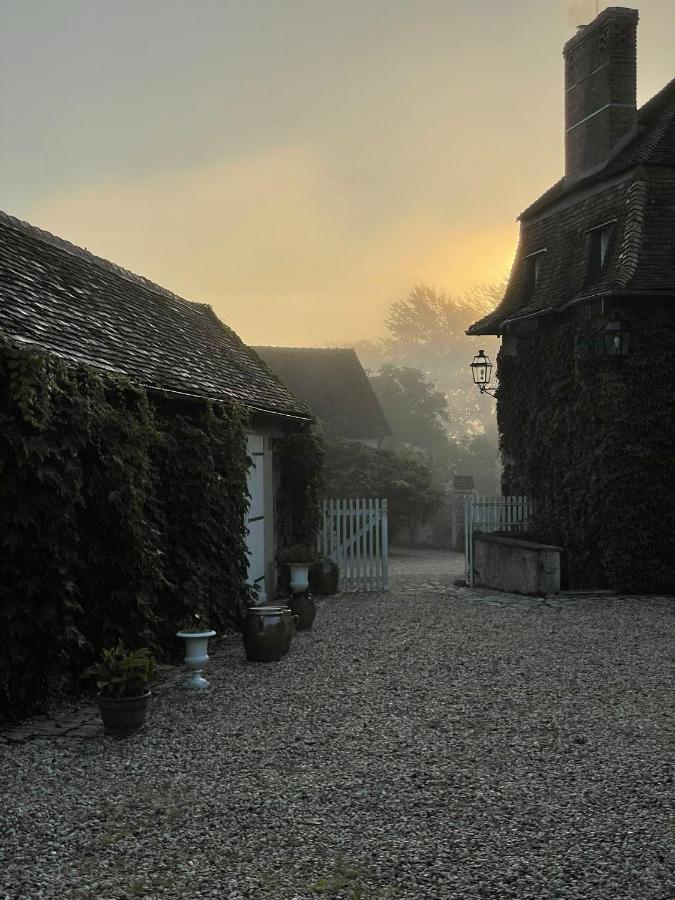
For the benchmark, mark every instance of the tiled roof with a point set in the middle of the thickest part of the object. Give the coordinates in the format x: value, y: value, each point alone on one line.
x: 85, y: 309
x: 334, y: 386
x: 635, y: 192
x: 652, y: 145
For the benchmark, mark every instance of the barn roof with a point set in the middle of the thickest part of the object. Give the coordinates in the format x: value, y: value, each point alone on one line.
x: 85, y: 309
x: 334, y: 385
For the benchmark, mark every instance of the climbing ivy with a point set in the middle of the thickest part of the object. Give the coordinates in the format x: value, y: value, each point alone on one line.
x: 299, y: 461
x: 120, y: 517
x: 592, y: 438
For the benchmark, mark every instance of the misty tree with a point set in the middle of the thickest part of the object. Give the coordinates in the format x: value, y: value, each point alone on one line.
x: 427, y: 331
x: 353, y: 470
x: 418, y: 415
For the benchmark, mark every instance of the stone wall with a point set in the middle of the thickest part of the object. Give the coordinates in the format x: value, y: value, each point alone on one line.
x: 514, y: 565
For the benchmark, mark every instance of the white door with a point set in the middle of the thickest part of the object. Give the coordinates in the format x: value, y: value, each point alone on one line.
x: 255, y: 540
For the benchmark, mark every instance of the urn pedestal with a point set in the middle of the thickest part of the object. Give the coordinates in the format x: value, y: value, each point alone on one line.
x: 196, y: 657
x: 299, y: 577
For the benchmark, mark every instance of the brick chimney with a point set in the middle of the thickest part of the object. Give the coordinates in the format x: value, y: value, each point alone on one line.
x: 600, y: 86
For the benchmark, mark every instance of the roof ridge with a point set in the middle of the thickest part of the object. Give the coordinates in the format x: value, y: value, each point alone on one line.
x: 659, y: 113
x: 75, y: 250
x: 665, y: 117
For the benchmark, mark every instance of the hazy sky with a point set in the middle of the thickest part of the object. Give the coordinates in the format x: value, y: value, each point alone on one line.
x: 298, y: 164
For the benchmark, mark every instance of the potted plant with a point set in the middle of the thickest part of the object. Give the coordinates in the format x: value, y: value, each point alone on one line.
x: 196, y: 639
x: 122, y: 680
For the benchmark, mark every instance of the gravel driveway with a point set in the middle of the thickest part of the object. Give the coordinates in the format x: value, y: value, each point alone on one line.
x: 427, y: 743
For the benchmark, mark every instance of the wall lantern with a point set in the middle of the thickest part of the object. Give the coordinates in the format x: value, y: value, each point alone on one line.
x: 481, y: 370
x: 616, y: 337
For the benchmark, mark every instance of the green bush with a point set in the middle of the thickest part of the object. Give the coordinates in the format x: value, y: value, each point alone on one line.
x: 353, y: 470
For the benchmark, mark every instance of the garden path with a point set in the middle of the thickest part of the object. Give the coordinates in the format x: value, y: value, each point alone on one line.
x: 432, y: 742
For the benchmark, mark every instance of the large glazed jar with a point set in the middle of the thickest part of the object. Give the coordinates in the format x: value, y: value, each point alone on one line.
x: 303, y: 607
x: 324, y: 577
x: 268, y: 632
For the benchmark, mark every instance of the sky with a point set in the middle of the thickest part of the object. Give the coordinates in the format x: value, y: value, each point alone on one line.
x: 297, y: 164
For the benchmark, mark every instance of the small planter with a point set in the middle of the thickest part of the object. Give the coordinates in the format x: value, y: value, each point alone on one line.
x: 196, y: 657
x: 299, y: 577
x: 123, y: 715
x: 268, y: 632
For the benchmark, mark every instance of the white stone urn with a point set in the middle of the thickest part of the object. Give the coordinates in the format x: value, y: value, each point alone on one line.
x: 299, y: 577
x: 196, y: 657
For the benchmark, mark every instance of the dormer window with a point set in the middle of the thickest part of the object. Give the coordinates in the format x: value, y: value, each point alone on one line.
x: 533, y: 264
x: 599, y: 239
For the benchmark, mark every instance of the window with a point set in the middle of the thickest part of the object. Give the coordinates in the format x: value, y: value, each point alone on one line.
x: 599, y: 239
x: 533, y: 264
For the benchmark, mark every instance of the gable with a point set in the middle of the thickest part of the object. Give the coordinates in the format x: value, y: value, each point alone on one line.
x: 334, y: 385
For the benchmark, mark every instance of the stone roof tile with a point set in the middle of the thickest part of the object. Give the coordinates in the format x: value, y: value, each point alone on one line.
x: 85, y: 309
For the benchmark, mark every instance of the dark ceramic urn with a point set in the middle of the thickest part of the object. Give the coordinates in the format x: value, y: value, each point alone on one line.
x: 303, y: 606
x: 268, y: 632
x: 324, y: 577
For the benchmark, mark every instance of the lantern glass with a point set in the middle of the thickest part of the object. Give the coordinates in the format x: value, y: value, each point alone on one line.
x: 616, y: 338
x: 481, y: 368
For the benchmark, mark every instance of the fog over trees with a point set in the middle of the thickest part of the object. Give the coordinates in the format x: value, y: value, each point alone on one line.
x: 441, y: 425
x: 420, y: 374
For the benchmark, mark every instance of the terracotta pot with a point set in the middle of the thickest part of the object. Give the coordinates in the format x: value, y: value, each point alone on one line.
x: 268, y: 632
x: 123, y: 715
x: 303, y: 606
x: 324, y: 577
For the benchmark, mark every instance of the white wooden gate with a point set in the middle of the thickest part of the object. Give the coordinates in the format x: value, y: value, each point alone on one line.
x: 354, y: 535
x: 512, y: 514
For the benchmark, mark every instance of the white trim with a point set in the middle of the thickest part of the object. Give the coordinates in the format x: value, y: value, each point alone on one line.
x: 597, y: 113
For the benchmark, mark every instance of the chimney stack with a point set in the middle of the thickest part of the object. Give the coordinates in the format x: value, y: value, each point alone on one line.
x: 600, y: 89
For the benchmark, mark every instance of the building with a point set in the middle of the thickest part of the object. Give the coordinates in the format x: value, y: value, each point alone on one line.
x: 585, y: 402
x: 85, y: 310
x: 335, y: 387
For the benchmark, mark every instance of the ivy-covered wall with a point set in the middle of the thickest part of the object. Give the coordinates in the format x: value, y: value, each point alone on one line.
x: 119, y: 517
x: 299, y: 478
x: 592, y: 438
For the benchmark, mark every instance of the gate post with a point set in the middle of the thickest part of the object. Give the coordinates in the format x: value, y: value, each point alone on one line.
x: 468, y: 542
x: 385, y: 547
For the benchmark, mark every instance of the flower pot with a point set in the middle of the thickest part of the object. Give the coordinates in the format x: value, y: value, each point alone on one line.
x: 123, y: 715
x: 196, y: 657
x: 268, y: 632
x: 324, y: 577
x: 303, y: 606
x: 299, y: 577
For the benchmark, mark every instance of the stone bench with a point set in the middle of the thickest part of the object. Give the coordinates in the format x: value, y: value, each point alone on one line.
x: 514, y: 565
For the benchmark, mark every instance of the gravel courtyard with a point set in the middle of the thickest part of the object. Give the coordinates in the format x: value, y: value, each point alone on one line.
x: 433, y: 742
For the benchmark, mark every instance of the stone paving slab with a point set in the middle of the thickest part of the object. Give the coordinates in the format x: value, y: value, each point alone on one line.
x: 80, y: 721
